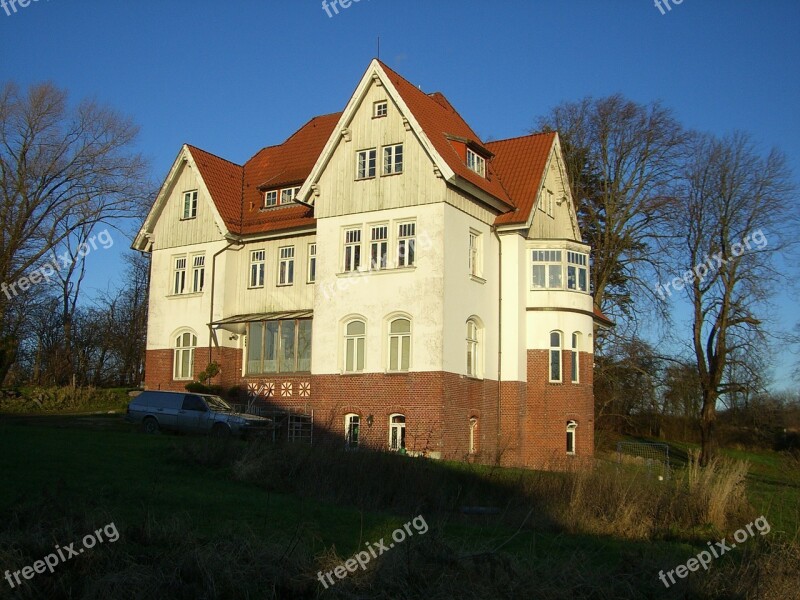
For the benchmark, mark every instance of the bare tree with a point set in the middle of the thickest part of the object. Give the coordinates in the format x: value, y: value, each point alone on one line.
x: 737, y: 214
x: 62, y: 169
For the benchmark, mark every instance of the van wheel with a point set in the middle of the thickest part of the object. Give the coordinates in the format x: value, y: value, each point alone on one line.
x: 221, y: 431
x: 150, y: 425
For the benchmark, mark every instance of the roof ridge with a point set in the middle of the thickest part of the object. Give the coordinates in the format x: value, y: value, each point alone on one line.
x: 192, y: 146
x: 519, y: 137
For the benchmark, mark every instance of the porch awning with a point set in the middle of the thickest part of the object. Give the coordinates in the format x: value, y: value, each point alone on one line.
x: 236, y: 323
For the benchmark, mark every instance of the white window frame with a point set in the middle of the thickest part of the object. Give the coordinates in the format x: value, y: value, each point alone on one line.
x: 473, y: 437
x: 473, y: 348
x: 575, y: 371
x: 270, y: 198
x: 286, y: 265
x: 577, y: 271
x: 288, y: 195
x: 198, y: 273
x: 403, y: 341
x: 258, y: 267
x: 549, y: 263
x: 397, y: 432
x: 190, y: 204
x: 366, y: 163
x: 355, y: 347
x: 406, y: 244
x: 555, y: 356
x: 572, y: 437
x: 179, y: 264
x: 475, y: 253
x: 380, y: 109
x: 179, y: 351
x: 311, y: 273
x: 379, y: 247
x: 352, y: 423
x: 476, y: 163
x: 392, y: 159
x: 351, y: 256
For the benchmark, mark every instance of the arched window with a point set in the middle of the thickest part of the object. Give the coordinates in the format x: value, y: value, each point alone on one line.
x: 571, y: 427
x: 555, y: 356
x: 399, y: 344
x: 183, y: 364
x: 397, y: 432
x: 473, y: 435
x: 355, y: 336
x: 576, y: 337
x: 352, y: 424
x: 473, y: 349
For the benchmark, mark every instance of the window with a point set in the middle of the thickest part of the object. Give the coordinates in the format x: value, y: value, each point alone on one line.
x: 473, y: 435
x: 399, y: 344
x: 288, y: 195
x: 352, y: 250
x: 198, y: 273
x: 286, y: 265
x: 183, y: 367
x: 555, y: 357
x: 190, y: 205
x: 571, y: 427
x: 312, y: 263
x: 577, y: 271
x: 379, y: 247
x: 397, y: 432
x: 546, y: 269
x: 279, y: 346
x: 257, y: 260
x: 271, y: 198
x: 366, y: 163
x: 546, y: 204
x: 354, y: 344
x: 406, y: 244
x: 472, y: 348
x: 476, y: 163
x: 474, y: 253
x: 179, y: 275
x: 393, y: 159
x: 352, y: 422
x: 380, y: 109
x: 575, y: 370
x: 194, y: 403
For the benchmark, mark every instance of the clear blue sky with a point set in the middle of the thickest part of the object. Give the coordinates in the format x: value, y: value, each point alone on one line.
x: 232, y: 77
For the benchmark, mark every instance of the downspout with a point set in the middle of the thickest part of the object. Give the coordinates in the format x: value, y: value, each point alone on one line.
x: 213, y: 281
x: 499, y: 328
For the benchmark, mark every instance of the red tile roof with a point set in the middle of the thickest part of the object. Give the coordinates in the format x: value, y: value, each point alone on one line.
x: 224, y: 181
x: 520, y: 164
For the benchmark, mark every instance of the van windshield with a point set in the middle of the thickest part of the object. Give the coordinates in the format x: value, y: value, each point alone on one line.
x: 217, y: 403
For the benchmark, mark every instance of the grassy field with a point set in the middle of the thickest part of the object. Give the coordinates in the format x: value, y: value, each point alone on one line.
x: 199, y: 519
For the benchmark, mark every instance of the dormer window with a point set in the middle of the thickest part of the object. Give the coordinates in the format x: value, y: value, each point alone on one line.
x: 271, y: 198
x: 476, y: 163
x: 380, y: 109
x: 288, y: 195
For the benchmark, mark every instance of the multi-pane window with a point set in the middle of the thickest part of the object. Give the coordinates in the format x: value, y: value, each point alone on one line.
x: 472, y: 348
x: 286, y: 265
x: 406, y: 244
x: 555, y: 357
x: 476, y: 163
x: 366, y: 163
x: 355, y: 336
x: 198, y: 273
x: 279, y: 346
x: 183, y: 366
x: 397, y: 432
x: 474, y: 253
x: 575, y: 370
x: 577, y: 271
x: 312, y: 263
x: 571, y: 427
x: 399, y: 344
x: 473, y: 435
x: 288, y: 195
x: 379, y: 247
x: 257, y: 263
x: 271, y: 198
x: 352, y: 249
x: 179, y: 275
x: 546, y: 270
x: 352, y: 424
x: 393, y: 159
x: 190, y: 205
x: 380, y: 109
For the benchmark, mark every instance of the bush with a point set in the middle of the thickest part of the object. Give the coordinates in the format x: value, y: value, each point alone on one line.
x: 65, y: 399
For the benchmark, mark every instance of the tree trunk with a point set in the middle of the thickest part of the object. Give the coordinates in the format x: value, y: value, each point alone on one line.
x: 708, y: 419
